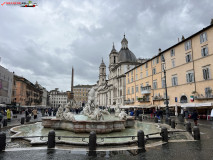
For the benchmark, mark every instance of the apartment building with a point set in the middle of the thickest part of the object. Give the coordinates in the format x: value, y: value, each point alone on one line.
x: 6, y: 83
x: 57, y: 98
x: 26, y: 93
x: 188, y: 69
x: 81, y: 94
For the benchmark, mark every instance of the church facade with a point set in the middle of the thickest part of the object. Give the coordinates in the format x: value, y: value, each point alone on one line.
x: 112, y: 91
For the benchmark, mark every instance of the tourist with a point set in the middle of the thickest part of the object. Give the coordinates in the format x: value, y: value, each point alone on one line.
x: 8, y: 115
x: 1, y: 116
x: 195, y: 117
x: 186, y: 115
x: 26, y: 113
x: 35, y: 113
x: 211, y: 115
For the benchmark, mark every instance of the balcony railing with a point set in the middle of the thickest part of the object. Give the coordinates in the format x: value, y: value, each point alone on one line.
x: 203, y: 97
x: 146, y: 90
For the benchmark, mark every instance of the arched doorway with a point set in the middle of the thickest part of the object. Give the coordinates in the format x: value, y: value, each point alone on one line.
x: 183, y: 99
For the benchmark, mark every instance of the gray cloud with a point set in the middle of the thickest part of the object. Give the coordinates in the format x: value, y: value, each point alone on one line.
x: 43, y: 43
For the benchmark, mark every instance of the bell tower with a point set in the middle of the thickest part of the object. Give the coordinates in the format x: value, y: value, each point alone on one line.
x: 102, y: 73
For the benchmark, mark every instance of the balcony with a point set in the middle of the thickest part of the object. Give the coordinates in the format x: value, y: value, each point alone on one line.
x: 157, y: 98
x: 201, y: 97
x: 128, y: 102
x: 146, y: 90
x: 144, y: 99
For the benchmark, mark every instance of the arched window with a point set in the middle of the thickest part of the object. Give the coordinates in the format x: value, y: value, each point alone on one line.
x: 183, y: 99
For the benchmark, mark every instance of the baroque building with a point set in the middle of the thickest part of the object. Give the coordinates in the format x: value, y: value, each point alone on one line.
x: 112, y: 91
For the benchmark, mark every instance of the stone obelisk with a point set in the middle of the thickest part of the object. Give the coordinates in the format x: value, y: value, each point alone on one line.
x: 72, y: 79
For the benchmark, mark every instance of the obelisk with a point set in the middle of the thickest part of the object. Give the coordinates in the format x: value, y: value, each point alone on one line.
x: 72, y: 79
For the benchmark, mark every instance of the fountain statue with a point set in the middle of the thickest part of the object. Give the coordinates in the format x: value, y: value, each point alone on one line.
x: 117, y: 110
x: 92, y: 119
x: 123, y: 115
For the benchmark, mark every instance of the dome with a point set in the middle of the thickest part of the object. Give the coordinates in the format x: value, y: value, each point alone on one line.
x: 125, y: 55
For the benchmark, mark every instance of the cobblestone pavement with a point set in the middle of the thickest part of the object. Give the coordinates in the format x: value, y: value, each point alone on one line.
x: 194, y: 150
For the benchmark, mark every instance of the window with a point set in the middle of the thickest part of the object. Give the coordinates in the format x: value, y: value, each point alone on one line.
x: 162, y: 58
x: 208, y: 92
x: 206, y: 73
x: 163, y: 82
x: 173, y: 63
x: 132, y: 90
x: 146, y: 72
x: 136, y: 77
x: 146, y: 65
x: 136, y: 70
x: 157, y: 60
x: 153, y: 71
x: 141, y: 87
x: 114, y: 60
x: 141, y: 75
x: 136, y: 88
x: 204, y: 51
x: 153, y: 61
x: 203, y: 37
x: 187, y: 45
x: 128, y: 80
x: 174, y: 80
x: 132, y: 79
x: 163, y: 66
x: 141, y: 68
x: 190, y: 76
x: 155, y: 84
x: 132, y: 73
x: 188, y: 57
x: 172, y: 52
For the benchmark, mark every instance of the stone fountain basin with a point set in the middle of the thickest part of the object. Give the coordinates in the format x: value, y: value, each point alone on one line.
x: 37, y: 129
x: 86, y: 125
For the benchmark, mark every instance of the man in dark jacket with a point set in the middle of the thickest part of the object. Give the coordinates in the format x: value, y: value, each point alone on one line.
x: 195, y: 117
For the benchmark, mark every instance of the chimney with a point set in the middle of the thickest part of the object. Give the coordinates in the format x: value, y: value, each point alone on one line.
x: 183, y: 38
x: 159, y: 50
x: 211, y: 22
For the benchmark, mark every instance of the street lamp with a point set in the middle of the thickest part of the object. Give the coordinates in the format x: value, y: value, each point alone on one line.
x: 167, y: 107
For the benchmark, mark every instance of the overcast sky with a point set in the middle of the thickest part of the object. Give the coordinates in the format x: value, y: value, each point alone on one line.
x: 43, y: 43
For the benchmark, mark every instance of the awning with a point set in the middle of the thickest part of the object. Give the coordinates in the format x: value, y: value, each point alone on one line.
x: 196, y: 105
x: 2, y: 105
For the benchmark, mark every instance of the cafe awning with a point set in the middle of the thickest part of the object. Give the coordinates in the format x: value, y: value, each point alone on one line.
x: 196, y: 105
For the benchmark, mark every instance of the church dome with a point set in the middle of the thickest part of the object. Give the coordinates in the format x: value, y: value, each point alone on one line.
x: 125, y: 55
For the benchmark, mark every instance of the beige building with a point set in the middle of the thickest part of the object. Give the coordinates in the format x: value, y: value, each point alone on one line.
x: 81, y: 94
x: 189, y: 70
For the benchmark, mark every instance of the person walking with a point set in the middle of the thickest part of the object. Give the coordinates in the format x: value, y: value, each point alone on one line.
x: 195, y: 117
x: 35, y: 113
x: 8, y: 115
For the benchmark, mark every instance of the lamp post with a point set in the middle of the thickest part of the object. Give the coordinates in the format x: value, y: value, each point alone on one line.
x: 167, y: 107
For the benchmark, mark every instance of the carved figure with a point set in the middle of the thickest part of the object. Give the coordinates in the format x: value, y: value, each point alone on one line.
x: 117, y: 111
x: 122, y: 115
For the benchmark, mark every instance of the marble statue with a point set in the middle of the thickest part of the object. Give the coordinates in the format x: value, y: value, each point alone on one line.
x: 66, y: 115
x: 123, y: 115
x: 87, y: 110
x: 117, y: 110
x: 97, y: 115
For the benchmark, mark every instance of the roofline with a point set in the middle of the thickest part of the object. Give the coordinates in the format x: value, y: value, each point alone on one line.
x: 186, y: 39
